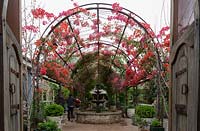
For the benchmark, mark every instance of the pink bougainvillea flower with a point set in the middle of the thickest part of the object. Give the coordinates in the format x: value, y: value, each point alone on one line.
x: 43, y: 71
x: 30, y: 28
x: 38, y: 42
x: 116, y: 7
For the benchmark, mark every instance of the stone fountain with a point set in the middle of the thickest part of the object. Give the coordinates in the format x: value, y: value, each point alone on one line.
x: 98, y: 116
x: 98, y: 98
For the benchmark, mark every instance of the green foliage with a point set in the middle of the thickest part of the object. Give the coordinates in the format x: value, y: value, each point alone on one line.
x: 122, y: 98
x: 131, y: 106
x: 55, y: 87
x: 150, y: 91
x: 89, y: 78
x: 143, y: 123
x: 48, y: 126
x: 38, y: 111
x: 65, y: 92
x: 112, y: 103
x: 138, y: 121
x: 54, y: 110
x: 155, y: 122
x: 133, y: 92
x: 145, y: 111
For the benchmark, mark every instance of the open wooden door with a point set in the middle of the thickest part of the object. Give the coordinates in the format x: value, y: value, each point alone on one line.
x: 184, y: 96
x: 14, y: 67
x: 11, y: 61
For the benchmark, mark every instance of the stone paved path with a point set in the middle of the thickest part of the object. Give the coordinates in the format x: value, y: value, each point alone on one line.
x: 125, y: 125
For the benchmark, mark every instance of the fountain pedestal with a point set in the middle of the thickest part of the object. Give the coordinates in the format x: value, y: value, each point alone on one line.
x: 89, y: 117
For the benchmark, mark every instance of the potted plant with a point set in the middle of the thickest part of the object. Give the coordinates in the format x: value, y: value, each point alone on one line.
x: 156, y: 125
x: 143, y: 125
x: 54, y: 113
x: 136, y: 119
x: 48, y: 126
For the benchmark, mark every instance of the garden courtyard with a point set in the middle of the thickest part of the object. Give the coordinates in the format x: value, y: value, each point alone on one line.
x: 74, y: 65
x: 100, y: 63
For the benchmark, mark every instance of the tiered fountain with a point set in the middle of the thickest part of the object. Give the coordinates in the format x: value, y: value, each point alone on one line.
x: 97, y: 116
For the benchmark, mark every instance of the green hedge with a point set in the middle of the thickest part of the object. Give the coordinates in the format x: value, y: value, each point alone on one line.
x: 145, y: 111
x: 54, y: 110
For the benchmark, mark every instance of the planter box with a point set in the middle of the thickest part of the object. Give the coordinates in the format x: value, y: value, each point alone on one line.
x: 154, y: 128
x: 130, y: 112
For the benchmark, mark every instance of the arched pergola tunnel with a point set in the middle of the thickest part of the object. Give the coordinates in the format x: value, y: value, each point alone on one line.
x: 95, y: 38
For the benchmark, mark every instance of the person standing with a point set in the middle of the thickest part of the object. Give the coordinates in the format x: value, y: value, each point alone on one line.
x: 70, y: 106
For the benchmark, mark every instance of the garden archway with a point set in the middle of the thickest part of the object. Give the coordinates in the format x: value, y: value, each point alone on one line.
x: 115, y: 37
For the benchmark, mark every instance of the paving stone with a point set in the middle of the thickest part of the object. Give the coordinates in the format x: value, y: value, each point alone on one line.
x: 125, y: 125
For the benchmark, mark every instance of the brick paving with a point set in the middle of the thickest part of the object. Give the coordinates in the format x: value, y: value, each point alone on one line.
x: 125, y: 125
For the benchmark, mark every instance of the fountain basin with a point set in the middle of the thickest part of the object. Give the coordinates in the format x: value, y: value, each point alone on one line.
x: 90, y: 117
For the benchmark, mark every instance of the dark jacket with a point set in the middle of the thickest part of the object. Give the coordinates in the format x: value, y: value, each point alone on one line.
x: 70, y: 101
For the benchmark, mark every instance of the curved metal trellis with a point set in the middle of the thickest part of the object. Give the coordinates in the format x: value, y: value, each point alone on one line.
x: 97, y: 8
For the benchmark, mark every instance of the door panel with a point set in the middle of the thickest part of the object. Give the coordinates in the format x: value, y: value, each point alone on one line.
x: 11, y: 60
x: 14, y: 89
x: 181, y: 81
x: 184, y: 82
x: 184, y: 60
x: 13, y: 77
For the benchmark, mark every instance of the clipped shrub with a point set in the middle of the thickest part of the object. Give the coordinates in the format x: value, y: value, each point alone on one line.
x: 155, y: 123
x: 54, y: 110
x: 145, y: 111
x: 48, y: 126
